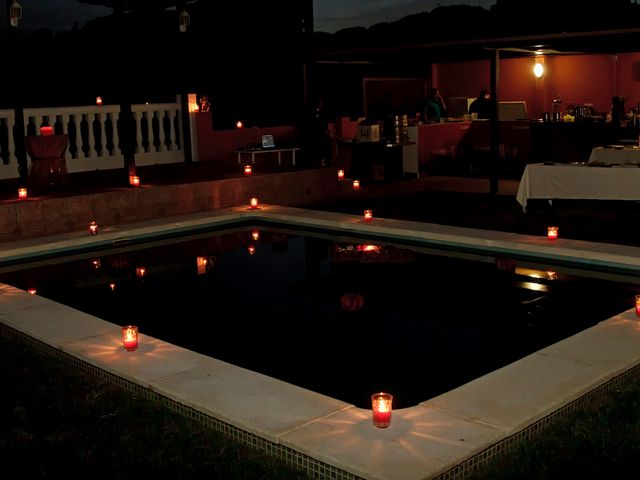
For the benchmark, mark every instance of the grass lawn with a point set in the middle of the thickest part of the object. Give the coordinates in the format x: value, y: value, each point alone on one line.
x: 58, y: 422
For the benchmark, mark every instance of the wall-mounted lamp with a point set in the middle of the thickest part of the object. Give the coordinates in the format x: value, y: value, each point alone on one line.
x: 15, y: 13
x: 538, y: 68
x: 185, y: 21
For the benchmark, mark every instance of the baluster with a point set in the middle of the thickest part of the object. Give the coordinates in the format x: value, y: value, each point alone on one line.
x: 13, y: 160
x: 172, y: 130
x: 91, y: 140
x: 138, y: 119
x: 161, y: 135
x: 65, y: 130
x: 102, y: 119
x: 116, y: 135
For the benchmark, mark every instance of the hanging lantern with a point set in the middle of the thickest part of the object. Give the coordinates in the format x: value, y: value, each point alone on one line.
x: 185, y: 21
x: 15, y: 13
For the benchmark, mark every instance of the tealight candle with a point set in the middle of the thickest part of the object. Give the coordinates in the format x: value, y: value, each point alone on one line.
x: 340, y: 174
x: 381, y: 408
x: 356, y: 184
x: 93, y: 228
x: 253, y: 203
x: 134, y: 180
x: 98, y: 100
x: 22, y: 193
x: 247, y: 170
x: 368, y: 215
x: 552, y: 233
x: 130, y: 338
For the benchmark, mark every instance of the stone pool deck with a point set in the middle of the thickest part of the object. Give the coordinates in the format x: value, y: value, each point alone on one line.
x: 445, y: 437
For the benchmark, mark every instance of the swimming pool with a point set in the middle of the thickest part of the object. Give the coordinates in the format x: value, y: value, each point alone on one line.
x: 337, y: 315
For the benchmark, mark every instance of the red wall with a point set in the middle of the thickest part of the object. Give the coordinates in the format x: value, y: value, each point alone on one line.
x: 577, y: 79
x: 219, y: 145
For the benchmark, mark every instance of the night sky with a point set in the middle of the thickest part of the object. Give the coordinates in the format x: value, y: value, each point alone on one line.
x: 329, y: 15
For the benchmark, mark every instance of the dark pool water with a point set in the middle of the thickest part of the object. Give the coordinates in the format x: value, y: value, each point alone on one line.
x: 338, y: 317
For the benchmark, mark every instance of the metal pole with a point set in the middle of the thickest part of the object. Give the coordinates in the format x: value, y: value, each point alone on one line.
x: 495, y: 124
x: 127, y: 126
x: 17, y: 93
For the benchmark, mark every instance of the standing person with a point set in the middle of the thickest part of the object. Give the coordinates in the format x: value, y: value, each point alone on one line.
x: 482, y: 105
x: 434, y: 106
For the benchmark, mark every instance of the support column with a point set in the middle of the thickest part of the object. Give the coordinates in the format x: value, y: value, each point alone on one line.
x: 494, y: 135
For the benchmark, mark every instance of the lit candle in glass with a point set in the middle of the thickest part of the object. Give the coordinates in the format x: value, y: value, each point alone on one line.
x: 134, y: 180
x: 368, y: 215
x: 381, y: 407
x: 32, y: 291
x: 130, y: 338
x: 201, y: 263
x: 22, y: 193
x: 112, y: 286
x: 98, y: 100
x: 638, y: 305
x: 46, y: 131
x: 255, y: 234
x: 251, y: 249
x: 340, y: 174
x: 247, y: 170
x: 356, y: 184
x: 140, y: 271
x: 552, y: 233
x: 93, y: 228
x: 253, y: 203
x: 239, y: 124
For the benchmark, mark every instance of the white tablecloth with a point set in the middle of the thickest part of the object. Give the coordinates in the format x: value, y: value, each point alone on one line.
x: 620, y: 156
x: 566, y: 181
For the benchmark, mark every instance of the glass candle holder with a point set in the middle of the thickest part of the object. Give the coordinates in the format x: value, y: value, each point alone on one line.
x: 638, y: 305
x: 134, y: 180
x: 46, y: 131
x: 356, y: 184
x: 552, y: 233
x: 253, y: 203
x: 22, y: 193
x: 255, y: 235
x: 381, y: 409
x: 247, y: 170
x: 130, y: 338
x: 93, y: 228
x: 368, y: 215
x: 340, y: 174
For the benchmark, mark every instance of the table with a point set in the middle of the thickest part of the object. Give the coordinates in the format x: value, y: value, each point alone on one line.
x: 257, y: 151
x: 569, y: 181
x: 48, y: 166
x: 620, y: 155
